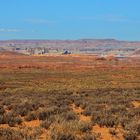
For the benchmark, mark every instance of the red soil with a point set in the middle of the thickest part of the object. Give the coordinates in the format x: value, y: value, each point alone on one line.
x: 67, y: 62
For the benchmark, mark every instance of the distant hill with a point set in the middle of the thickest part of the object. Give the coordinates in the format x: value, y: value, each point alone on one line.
x: 90, y: 46
x: 137, y: 52
x: 70, y: 43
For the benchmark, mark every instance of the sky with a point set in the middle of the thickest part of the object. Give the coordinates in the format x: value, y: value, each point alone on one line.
x: 70, y: 19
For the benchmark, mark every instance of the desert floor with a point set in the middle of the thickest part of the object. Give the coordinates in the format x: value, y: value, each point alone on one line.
x: 69, y: 97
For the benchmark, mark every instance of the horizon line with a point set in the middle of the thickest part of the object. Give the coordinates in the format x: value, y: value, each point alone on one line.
x: 70, y: 39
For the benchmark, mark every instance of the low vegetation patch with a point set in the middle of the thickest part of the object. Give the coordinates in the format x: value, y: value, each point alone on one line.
x: 69, y: 101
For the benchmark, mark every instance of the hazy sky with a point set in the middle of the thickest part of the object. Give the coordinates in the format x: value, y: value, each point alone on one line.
x: 70, y: 19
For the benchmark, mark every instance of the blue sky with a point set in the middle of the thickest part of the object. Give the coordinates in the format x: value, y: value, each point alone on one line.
x: 69, y: 19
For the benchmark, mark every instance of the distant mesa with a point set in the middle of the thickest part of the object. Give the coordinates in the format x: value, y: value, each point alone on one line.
x: 137, y: 52
x: 98, y: 47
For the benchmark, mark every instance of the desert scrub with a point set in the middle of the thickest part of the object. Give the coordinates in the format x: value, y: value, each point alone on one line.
x: 31, y: 116
x: 88, y: 136
x: 9, y: 134
x: 70, y: 131
x: 46, y: 124
x: 88, y: 111
x: 78, y: 103
x: 130, y: 135
x: 116, y: 109
x: 104, y: 119
x: 113, y: 132
x: 68, y: 116
x: 84, y: 105
x: 43, y: 115
x: 124, y: 121
x: 67, y: 127
x: 61, y: 136
x: 108, y: 107
x: 85, y: 126
x: 2, y: 119
x: 25, y: 134
x: 63, y: 130
x: 47, y: 113
x: 23, y: 112
x: 133, y: 126
x: 134, y: 112
x: 6, y: 102
x: 11, y: 119
x: 2, y: 110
